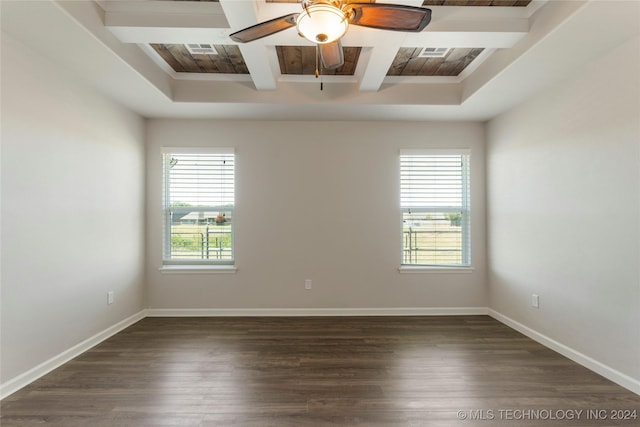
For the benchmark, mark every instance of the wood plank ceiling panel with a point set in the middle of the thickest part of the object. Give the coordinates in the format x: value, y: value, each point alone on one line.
x: 301, y: 60
x: 408, y: 62
x: 228, y: 60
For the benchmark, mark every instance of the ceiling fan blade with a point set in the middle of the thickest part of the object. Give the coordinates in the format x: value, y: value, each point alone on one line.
x: 264, y: 29
x: 393, y: 17
x: 332, y: 55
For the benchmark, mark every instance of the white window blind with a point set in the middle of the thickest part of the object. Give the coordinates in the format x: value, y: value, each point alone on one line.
x: 435, y: 203
x: 198, y: 203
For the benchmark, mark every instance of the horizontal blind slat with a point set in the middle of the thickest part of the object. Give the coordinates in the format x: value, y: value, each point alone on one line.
x: 431, y: 180
x: 205, y: 179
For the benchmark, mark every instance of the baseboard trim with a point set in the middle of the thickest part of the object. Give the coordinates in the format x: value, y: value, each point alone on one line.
x: 580, y: 358
x: 315, y: 312
x: 26, y: 378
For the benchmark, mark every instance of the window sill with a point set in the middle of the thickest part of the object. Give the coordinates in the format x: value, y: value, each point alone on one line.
x: 418, y: 269
x: 198, y: 269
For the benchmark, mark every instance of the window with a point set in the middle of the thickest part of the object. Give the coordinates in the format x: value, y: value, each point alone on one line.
x: 198, y: 206
x: 434, y: 198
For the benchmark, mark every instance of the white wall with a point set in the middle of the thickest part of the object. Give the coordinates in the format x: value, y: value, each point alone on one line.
x: 320, y: 201
x: 72, y: 211
x: 563, y: 183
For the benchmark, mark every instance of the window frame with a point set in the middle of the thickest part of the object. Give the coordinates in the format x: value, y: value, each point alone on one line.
x: 465, y: 208
x: 195, y: 265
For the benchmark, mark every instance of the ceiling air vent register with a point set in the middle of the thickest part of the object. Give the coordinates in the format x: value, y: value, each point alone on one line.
x: 201, y: 49
x: 434, y: 52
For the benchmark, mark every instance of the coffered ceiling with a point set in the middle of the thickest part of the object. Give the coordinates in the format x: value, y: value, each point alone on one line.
x: 165, y: 58
x: 301, y: 60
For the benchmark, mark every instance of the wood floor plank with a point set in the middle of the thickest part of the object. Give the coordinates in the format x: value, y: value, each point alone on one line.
x: 316, y: 371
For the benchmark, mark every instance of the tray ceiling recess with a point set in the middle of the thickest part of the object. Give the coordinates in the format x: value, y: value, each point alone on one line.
x: 370, y: 55
x: 482, y: 56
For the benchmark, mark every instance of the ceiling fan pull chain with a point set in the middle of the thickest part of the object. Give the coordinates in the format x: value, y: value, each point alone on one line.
x: 321, y: 80
x: 317, y: 60
x: 318, y: 72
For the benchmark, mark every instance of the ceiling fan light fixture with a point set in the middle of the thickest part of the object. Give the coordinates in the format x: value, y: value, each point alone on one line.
x: 322, y: 23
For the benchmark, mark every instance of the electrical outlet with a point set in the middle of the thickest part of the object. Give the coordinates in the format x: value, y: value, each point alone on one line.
x: 535, y: 301
x: 307, y: 284
x: 110, y: 297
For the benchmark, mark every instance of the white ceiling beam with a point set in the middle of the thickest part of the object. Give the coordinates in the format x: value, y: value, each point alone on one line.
x: 165, y: 14
x: 168, y: 22
x: 496, y: 39
x: 374, y: 62
x: 261, y: 61
x: 356, y: 36
x: 170, y: 35
x: 266, y: 11
x: 491, y: 27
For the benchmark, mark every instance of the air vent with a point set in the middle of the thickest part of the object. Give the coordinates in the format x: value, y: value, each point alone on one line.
x: 434, y: 52
x: 201, y: 49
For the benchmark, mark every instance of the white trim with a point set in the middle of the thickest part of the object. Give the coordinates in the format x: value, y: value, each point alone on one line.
x: 310, y: 78
x: 580, y: 358
x: 315, y: 312
x: 26, y: 378
x: 418, y: 269
x: 435, y: 151
x: 423, y: 80
x: 212, y: 77
x: 197, y: 269
x: 197, y: 150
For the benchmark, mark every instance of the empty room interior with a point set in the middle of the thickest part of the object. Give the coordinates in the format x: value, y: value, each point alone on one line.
x: 274, y: 213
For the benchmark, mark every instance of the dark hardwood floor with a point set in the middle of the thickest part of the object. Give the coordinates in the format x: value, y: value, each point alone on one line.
x: 316, y: 371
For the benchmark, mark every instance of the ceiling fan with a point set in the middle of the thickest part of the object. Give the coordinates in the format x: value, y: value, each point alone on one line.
x: 324, y: 22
